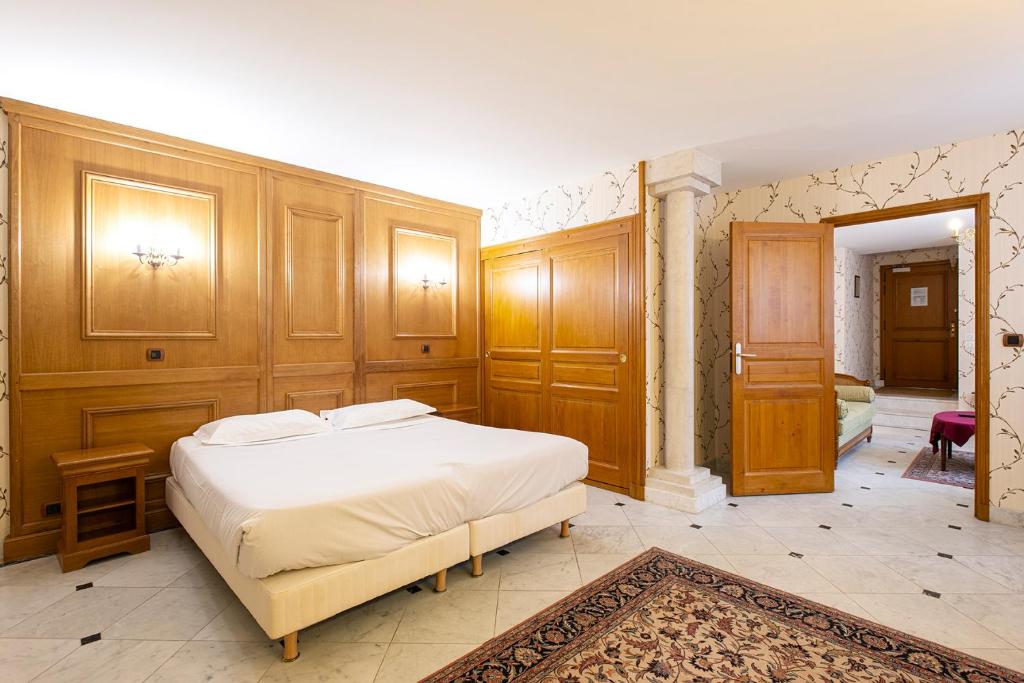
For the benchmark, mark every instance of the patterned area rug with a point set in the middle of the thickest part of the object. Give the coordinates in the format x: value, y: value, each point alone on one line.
x: 959, y: 468
x: 661, y: 617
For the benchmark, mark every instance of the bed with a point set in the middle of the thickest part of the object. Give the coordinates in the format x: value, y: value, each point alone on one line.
x: 305, y: 528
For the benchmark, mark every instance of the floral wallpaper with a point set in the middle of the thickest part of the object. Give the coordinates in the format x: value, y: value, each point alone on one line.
x: 992, y: 164
x: 853, y: 327
x: 613, y: 194
x: 5, y: 400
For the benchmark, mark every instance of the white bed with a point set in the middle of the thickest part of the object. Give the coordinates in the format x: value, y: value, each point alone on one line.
x: 307, y: 527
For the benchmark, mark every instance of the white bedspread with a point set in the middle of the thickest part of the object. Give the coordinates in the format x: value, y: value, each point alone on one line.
x: 357, y: 494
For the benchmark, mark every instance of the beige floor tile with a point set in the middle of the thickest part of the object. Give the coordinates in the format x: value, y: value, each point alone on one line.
x: 941, y: 575
x: 1005, y: 570
x: 218, y: 662
x: 374, y: 622
x: 405, y: 662
x: 47, y: 572
x: 172, y: 614
x: 679, y: 540
x: 82, y: 613
x: 743, y: 540
x: 954, y: 542
x: 17, y: 603
x: 648, y: 514
x: 324, y: 661
x: 1011, y: 659
x: 234, y: 623
x: 593, y: 540
x: 154, y: 568
x: 530, y: 571
x: 778, y: 515
x: 876, y: 541
x: 451, y: 617
x: 203, y: 575
x: 602, y: 515
x: 839, y: 601
x: 929, y: 618
x: 517, y: 606
x: 782, y: 572
x: 460, y: 577
x: 124, y: 661
x: 861, y: 575
x: 1001, y: 614
x: 720, y: 515
x: 814, y: 541
x: 23, y: 659
x: 834, y: 513
x: 596, y: 566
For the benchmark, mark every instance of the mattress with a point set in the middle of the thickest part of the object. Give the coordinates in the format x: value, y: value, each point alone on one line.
x: 352, y: 495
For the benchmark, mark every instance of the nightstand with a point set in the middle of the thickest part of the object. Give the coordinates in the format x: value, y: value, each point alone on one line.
x: 103, y: 500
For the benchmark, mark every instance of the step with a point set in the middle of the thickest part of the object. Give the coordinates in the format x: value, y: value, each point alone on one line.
x: 904, y: 420
x: 912, y: 405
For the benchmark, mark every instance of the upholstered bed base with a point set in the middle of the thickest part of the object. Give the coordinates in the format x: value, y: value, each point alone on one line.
x: 286, y: 602
x: 498, y: 530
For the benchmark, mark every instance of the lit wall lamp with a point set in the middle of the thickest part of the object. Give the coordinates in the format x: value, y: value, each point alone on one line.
x: 156, y: 257
x: 427, y: 282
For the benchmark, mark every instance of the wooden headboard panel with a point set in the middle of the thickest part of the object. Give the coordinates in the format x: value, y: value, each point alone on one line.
x: 850, y: 380
x: 297, y: 289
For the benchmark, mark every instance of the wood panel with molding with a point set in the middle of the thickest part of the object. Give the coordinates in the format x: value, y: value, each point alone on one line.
x: 285, y: 298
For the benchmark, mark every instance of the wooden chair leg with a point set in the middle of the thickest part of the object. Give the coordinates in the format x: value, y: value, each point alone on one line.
x: 478, y: 565
x: 564, y: 533
x: 291, y: 647
x: 440, y: 581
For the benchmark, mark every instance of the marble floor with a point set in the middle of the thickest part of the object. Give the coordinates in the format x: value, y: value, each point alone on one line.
x: 900, y: 552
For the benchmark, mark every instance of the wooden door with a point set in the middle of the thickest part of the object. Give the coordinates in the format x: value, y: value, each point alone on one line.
x: 783, y: 396
x: 585, y: 372
x: 513, y: 333
x: 919, y: 325
x: 560, y: 327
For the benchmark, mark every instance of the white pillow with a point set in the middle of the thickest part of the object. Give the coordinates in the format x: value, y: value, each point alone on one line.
x: 240, y: 429
x: 363, y: 414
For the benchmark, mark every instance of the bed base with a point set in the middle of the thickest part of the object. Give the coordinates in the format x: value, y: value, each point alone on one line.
x: 497, y: 530
x: 286, y: 602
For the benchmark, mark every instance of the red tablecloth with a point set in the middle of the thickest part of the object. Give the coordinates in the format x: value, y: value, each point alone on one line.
x: 956, y: 425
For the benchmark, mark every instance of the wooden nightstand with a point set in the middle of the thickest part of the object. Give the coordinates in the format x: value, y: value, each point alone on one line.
x: 103, y: 500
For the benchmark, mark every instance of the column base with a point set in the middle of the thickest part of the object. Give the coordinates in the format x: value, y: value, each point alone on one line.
x: 693, y: 491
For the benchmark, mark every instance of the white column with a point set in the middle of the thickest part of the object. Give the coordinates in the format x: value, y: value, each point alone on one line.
x: 677, y: 180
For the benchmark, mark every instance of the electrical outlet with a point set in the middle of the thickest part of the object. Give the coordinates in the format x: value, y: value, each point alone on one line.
x: 154, y: 354
x: 51, y: 509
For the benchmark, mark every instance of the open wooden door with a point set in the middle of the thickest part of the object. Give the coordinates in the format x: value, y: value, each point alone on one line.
x: 783, y: 395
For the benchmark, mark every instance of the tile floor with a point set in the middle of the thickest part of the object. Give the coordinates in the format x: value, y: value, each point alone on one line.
x: 872, y: 548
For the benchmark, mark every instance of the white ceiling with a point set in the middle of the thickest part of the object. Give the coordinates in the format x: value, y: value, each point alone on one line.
x: 916, y: 232
x: 475, y: 101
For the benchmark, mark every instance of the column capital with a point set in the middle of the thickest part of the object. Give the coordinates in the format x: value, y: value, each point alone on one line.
x: 686, y: 170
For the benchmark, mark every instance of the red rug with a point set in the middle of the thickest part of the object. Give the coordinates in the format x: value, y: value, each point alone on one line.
x: 959, y: 468
x: 662, y: 618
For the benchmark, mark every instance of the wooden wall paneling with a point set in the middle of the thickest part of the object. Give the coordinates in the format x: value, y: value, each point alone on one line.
x: 237, y: 335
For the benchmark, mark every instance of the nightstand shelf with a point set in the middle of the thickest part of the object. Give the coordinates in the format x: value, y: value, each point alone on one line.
x: 102, y: 503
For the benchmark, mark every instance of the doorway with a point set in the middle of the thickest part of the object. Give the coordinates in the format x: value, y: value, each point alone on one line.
x: 784, y: 408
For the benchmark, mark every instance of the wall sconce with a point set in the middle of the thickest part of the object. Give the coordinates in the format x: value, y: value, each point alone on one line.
x: 427, y: 282
x: 156, y: 257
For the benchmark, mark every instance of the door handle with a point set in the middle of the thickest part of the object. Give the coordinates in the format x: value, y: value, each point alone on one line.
x: 487, y: 354
x: 739, y: 356
x: 952, y: 330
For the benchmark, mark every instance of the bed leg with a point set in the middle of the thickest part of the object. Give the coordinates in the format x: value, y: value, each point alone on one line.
x: 440, y: 581
x: 478, y: 565
x: 871, y: 432
x: 564, y: 533
x: 291, y: 647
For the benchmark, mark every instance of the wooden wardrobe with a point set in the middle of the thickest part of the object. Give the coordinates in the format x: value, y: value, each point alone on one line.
x: 562, y: 318
x: 298, y: 289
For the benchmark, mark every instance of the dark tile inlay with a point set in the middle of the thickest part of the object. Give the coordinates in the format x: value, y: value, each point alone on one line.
x: 847, y: 505
x: 83, y: 586
x: 620, y: 504
x: 932, y: 594
x: 961, y: 505
x: 571, y: 525
x: 892, y: 462
x: 90, y: 639
x: 695, y: 526
x: 503, y: 552
x: 954, y: 526
x: 732, y: 505
x: 881, y: 474
x: 866, y: 488
x: 897, y: 452
x: 945, y: 555
x: 824, y: 526
x: 414, y: 589
x: 795, y: 554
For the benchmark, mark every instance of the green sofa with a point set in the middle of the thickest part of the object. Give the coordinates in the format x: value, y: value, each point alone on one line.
x: 855, y: 411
